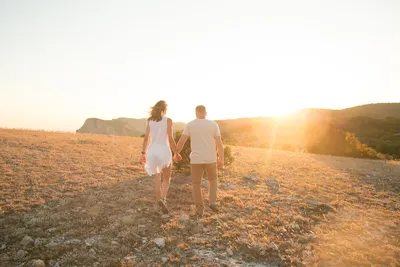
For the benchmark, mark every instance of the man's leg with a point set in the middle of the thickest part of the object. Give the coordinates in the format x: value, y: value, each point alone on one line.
x: 211, y: 170
x: 197, y: 175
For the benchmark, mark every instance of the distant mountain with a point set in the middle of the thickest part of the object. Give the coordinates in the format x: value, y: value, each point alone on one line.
x: 120, y: 126
x: 377, y: 111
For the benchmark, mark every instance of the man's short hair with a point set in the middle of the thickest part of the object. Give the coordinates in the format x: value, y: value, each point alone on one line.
x: 201, y: 109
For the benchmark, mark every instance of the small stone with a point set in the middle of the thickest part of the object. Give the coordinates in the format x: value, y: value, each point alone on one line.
x: 273, y: 246
x: 3, y: 247
x: 252, y: 177
x: 164, y: 259
x: 38, y: 242
x: 38, y: 263
x: 92, y: 252
x: 56, y: 264
x: 21, y: 254
x: 114, y: 243
x: 165, y: 216
x: 183, y: 218
x: 74, y: 241
x: 52, y: 244
x: 27, y: 240
x: 160, y: 242
x: 142, y: 226
x: 50, y: 230
x: 128, y: 220
x: 229, y: 251
x: 131, y: 211
x: 273, y: 185
x: 128, y: 261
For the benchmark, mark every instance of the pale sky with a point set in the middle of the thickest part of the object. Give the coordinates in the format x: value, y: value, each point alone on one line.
x: 64, y: 61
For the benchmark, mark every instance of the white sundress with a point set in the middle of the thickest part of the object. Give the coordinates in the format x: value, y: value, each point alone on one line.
x: 159, y: 154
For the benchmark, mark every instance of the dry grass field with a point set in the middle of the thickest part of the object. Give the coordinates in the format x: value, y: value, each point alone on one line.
x: 84, y: 200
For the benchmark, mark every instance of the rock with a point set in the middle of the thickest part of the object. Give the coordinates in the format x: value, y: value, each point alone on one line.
x: 38, y: 263
x: 91, y: 241
x: 183, y: 218
x: 274, y: 255
x: 131, y: 211
x: 273, y: 185
x: 205, y: 254
x: 39, y: 241
x: 252, y: 177
x: 160, y: 242
x: 227, y: 186
x: 50, y: 230
x: 165, y: 217
x: 21, y: 254
x: 56, y: 264
x: 27, y: 240
x: 92, y: 252
x: 3, y: 247
x: 273, y: 246
x: 128, y: 220
x: 164, y: 259
x: 52, y: 244
x: 229, y: 251
x: 73, y: 241
x: 320, y: 207
x: 128, y: 261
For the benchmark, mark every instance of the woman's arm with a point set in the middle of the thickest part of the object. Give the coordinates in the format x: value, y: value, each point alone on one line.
x: 145, y: 143
x: 171, y: 136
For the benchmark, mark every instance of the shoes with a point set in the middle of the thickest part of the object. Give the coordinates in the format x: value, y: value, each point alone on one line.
x: 163, y: 206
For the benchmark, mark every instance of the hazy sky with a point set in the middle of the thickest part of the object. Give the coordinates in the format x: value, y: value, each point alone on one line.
x: 64, y: 61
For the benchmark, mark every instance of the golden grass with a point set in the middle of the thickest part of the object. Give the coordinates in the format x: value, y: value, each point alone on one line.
x: 86, y: 201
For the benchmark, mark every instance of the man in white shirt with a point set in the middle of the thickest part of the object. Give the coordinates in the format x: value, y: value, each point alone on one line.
x: 205, y: 140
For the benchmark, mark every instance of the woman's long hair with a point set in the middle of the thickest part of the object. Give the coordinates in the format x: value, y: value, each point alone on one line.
x: 158, y: 110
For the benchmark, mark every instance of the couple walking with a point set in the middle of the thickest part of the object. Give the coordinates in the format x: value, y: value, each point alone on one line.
x: 205, y: 140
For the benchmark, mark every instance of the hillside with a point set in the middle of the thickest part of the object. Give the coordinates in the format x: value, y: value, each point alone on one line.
x: 377, y: 111
x: 120, y: 126
x: 84, y: 200
x: 322, y: 130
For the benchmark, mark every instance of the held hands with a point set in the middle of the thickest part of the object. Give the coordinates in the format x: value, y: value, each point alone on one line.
x: 177, y: 157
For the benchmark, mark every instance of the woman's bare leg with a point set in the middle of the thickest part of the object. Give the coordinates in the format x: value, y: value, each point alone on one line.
x: 166, y: 172
x: 157, y: 185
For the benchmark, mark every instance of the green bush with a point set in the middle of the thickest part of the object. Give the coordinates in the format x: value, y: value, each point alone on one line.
x: 184, y: 164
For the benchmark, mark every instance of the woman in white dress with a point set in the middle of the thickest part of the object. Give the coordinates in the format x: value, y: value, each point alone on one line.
x: 157, y: 157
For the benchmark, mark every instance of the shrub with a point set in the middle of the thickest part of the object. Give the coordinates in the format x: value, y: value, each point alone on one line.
x: 184, y: 164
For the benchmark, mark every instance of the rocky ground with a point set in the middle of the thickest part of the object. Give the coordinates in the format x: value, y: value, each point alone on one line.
x: 84, y: 200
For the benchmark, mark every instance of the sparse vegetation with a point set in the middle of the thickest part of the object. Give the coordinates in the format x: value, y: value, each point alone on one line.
x: 184, y: 164
x: 91, y: 204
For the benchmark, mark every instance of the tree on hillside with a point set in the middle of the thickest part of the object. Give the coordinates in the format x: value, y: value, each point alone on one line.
x: 184, y: 164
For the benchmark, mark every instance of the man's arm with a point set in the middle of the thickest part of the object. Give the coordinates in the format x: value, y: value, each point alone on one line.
x: 220, y: 147
x: 220, y: 151
x: 181, y: 143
